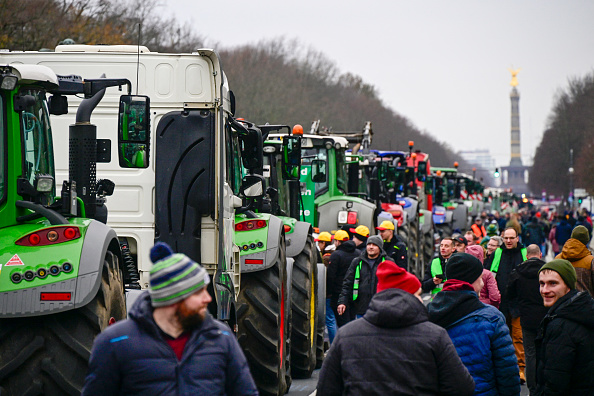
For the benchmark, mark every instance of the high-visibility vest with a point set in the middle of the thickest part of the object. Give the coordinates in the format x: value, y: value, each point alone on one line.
x: 497, y: 258
x: 479, y: 231
x: 436, y: 270
x: 358, y: 277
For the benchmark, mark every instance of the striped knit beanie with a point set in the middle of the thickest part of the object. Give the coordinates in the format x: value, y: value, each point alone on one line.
x: 173, y: 276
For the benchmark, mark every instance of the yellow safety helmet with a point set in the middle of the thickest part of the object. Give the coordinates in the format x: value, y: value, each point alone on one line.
x: 324, y: 237
x: 341, y: 235
x: 386, y: 225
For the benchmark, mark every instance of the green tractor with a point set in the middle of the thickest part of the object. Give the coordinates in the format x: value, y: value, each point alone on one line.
x: 282, y: 168
x: 264, y: 301
x: 449, y: 212
x: 60, y: 266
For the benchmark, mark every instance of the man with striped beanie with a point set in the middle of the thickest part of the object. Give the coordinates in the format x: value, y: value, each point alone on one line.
x: 170, y: 344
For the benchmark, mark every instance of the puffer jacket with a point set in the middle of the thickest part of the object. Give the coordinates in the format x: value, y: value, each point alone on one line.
x: 132, y: 358
x: 582, y: 260
x: 393, y: 350
x: 565, y: 347
x: 481, y: 338
x: 367, y: 282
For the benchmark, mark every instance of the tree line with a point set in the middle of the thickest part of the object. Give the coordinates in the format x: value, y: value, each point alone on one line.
x: 276, y: 81
x: 570, y: 126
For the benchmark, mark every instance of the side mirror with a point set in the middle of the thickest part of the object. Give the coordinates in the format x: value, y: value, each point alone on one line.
x: 134, y: 131
x: 291, y: 157
x: 318, y: 171
x: 428, y: 185
x: 252, y: 186
x: 422, y: 171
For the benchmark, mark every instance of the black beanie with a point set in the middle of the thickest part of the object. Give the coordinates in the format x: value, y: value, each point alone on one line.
x: 464, y: 267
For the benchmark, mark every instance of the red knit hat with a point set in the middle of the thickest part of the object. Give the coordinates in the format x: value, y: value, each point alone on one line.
x: 391, y: 276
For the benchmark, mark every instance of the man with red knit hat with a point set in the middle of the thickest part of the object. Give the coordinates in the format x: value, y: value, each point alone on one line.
x: 403, y: 353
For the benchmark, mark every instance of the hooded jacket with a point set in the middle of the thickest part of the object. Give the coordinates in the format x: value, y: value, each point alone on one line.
x: 565, y: 347
x: 582, y: 260
x: 393, y: 349
x: 340, y: 261
x: 131, y: 357
x: 367, y: 282
x: 481, y: 338
x: 524, y: 290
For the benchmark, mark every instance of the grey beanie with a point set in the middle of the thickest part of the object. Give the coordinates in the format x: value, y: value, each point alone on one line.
x: 173, y: 277
x: 376, y: 240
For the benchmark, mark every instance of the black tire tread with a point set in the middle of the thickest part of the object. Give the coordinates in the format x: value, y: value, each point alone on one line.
x: 49, y: 354
x: 259, y: 320
x: 302, y: 340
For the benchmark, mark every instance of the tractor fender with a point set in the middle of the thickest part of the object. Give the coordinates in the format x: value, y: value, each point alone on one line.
x: 289, y: 285
x: 297, y: 239
x: 99, y: 238
x: 275, y: 233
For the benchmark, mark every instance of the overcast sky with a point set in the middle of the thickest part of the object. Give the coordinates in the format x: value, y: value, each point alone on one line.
x: 442, y: 64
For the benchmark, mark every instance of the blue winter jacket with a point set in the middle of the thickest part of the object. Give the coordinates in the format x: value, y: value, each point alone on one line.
x: 481, y: 338
x: 132, y: 358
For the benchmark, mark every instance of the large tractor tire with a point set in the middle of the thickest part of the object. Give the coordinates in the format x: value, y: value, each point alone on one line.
x: 304, y: 308
x: 321, y: 314
x: 263, y: 333
x: 413, y: 251
x: 428, y: 251
x: 49, y: 355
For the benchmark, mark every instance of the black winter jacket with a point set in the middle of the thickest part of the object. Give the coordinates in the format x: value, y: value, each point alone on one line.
x: 565, y: 347
x: 510, y: 259
x: 367, y: 283
x: 523, y: 290
x: 132, y: 358
x: 396, y: 250
x: 340, y: 261
x: 393, y: 349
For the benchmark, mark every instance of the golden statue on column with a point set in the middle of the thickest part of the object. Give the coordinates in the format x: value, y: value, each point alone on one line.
x: 514, y: 73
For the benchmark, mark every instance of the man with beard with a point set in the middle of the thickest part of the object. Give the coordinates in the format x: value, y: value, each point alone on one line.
x: 170, y: 345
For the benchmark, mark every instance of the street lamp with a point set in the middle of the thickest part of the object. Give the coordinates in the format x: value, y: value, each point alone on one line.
x: 571, y: 177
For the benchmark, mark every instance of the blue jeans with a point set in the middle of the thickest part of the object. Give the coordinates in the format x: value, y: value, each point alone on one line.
x: 330, y: 321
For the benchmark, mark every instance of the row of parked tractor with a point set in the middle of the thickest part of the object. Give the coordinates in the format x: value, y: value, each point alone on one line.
x: 173, y: 163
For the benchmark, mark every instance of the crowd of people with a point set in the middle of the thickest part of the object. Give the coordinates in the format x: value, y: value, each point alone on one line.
x: 496, y: 315
x: 510, y: 316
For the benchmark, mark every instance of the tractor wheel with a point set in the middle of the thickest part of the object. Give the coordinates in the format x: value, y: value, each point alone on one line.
x: 321, y: 314
x: 263, y: 328
x: 428, y: 250
x: 49, y: 354
x: 304, y: 309
x: 413, y: 252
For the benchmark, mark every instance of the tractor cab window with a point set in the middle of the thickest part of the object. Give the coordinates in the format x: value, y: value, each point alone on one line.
x: 321, y: 154
x: 234, y: 167
x: 3, y: 167
x: 38, y: 157
x: 341, y: 172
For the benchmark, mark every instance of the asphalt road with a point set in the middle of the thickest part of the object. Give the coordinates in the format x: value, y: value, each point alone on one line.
x: 305, y: 387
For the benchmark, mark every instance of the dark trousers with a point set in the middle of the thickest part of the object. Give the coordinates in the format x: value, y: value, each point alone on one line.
x: 343, y: 319
x: 530, y: 352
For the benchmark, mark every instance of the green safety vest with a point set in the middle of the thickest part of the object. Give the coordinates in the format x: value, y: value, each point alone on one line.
x: 436, y: 270
x: 358, y: 277
x: 497, y: 258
